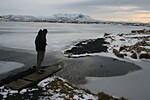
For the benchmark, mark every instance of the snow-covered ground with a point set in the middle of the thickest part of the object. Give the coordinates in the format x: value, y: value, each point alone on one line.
x: 55, y: 88
x: 129, y: 44
x: 61, y: 84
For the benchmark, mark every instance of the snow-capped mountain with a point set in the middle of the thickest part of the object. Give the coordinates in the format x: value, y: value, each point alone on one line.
x: 19, y: 17
x: 55, y: 17
x: 77, y: 18
x: 72, y: 17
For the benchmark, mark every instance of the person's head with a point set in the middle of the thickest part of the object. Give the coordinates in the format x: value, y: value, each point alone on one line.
x: 45, y: 31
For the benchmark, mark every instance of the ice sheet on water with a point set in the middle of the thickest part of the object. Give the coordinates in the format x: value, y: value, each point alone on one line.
x: 133, y: 86
x: 21, y: 35
x: 6, y: 66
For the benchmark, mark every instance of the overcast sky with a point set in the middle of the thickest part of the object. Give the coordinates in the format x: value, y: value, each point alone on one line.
x: 112, y: 10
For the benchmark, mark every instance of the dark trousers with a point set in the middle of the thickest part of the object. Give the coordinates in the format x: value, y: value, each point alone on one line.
x: 40, y: 58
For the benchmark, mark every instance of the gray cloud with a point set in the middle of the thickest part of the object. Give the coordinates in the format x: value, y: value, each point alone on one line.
x: 141, y: 4
x: 96, y: 8
x: 102, y: 9
x: 110, y: 6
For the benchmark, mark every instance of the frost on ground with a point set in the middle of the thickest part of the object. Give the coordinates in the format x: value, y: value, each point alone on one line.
x: 55, y: 88
x: 133, y: 45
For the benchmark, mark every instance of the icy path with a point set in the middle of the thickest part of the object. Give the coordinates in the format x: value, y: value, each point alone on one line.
x: 6, y: 66
x: 134, y: 86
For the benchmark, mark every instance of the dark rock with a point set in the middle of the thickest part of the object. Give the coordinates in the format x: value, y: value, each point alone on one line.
x: 132, y: 51
x: 134, y: 55
x: 106, y: 34
x: 138, y: 31
x: 117, y: 53
x: 144, y: 31
x: 122, y: 39
x: 123, y: 48
x: 133, y: 31
x: 120, y: 34
x: 125, y: 54
x: 144, y: 55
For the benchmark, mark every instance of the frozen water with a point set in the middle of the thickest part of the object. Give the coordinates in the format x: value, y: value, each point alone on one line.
x: 6, y: 66
x: 133, y: 86
x: 21, y: 35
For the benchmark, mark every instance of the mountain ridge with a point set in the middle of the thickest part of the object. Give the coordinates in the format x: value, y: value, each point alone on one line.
x: 67, y: 18
x: 55, y: 17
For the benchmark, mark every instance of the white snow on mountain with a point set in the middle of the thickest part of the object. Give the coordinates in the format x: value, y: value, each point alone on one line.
x: 55, y: 17
x: 67, y: 18
x: 19, y: 17
x: 72, y: 17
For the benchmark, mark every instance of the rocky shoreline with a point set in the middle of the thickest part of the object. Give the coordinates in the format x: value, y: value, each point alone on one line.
x: 84, y: 22
x: 135, y: 45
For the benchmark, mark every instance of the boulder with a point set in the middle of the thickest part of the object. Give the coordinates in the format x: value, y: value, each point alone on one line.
x: 123, y: 48
x: 138, y: 31
x: 117, y: 53
x: 106, y: 34
x: 122, y: 39
x: 120, y: 34
x: 134, y: 56
x: 133, y: 31
x: 144, y: 55
x: 125, y: 54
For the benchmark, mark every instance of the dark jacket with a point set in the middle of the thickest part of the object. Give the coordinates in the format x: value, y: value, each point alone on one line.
x: 40, y: 41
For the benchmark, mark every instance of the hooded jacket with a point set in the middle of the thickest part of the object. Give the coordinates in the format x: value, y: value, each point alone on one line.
x: 40, y: 41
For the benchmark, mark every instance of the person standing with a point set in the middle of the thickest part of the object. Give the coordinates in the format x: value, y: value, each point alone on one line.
x: 40, y: 46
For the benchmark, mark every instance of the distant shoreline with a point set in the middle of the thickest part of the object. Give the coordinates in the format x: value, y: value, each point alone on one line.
x: 86, y: 22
